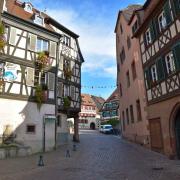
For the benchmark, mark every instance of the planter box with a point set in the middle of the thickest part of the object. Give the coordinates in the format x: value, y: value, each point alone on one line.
x: 23, y: 151
x: 12, y: 152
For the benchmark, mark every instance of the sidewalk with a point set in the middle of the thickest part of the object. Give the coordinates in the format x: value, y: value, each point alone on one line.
x: 23, y: 165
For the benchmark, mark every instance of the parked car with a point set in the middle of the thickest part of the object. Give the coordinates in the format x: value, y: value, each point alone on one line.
x: 107, y: 129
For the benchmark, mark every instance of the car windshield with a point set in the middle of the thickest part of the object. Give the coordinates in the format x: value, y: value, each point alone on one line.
x: 107, y: 127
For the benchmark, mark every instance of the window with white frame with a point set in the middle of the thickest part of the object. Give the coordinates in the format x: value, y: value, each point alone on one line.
x: 170, y: 65
x: 39, y: 20
x: 162, y: 21
x: 42, y: 45
x: 148, y: 36
x: 154, y: 73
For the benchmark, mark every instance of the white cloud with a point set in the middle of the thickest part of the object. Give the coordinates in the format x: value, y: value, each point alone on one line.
x: 97, y: 40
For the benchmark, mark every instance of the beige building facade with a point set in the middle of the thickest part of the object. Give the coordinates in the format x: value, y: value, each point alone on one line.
x: 130, y: 79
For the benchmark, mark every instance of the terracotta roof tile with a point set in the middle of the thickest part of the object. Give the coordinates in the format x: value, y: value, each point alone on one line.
x: 16, y: 8
x: 87, y: 100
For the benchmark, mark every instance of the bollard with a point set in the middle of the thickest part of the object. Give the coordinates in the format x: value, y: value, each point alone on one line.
x: 74, y: 147
x: 41, y: 162
x: 68, y: 153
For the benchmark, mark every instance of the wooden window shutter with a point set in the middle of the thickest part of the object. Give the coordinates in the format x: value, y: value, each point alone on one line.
x: 60, y: 89
x: 72, y: 92
x: 51, y: 81
x: 167, y: 12
x: 152, y: 30
x: 160, y: 69
x: 61, y: 63
x: 52, y: 51
x: 147, y: 73
x: 12, y: 38
x: 176, y: 7
x: 32, y: 43
x: 30, y: 77
x: 176, y: 53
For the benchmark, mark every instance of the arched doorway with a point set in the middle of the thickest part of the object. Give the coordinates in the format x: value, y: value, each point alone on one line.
x: 92, y: 126
x: 177, y: 133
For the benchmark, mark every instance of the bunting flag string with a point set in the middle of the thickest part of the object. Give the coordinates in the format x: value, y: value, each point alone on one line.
x: 99, y: 87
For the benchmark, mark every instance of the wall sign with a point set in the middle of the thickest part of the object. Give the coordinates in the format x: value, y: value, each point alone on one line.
x: 10, y: 72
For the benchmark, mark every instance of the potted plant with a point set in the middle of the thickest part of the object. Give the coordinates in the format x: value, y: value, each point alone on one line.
x: 2, y: 83
x: 2, y: 36
x: 42, y: 60
x: 41, y: 94
x: 66, y: 102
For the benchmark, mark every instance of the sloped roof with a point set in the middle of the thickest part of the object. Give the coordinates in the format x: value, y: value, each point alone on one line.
x: 99, y: 101
x: 113, y: 96
x: 127, y: 13
x: 16, y: 8
x: 87, y: 100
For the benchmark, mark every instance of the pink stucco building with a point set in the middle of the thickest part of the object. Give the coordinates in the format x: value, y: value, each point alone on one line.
x: 130, y: 79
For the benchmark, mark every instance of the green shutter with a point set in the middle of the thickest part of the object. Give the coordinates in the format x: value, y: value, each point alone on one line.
x: 145, y: 43
x: 176, y: 7
x: 176, y: 53
x: 167, y: 12
x: 152, y: 31
x: 148, y: 77
x: 160, y: 69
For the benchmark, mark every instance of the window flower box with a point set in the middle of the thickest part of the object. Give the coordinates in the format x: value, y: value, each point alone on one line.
x: 42, y: 60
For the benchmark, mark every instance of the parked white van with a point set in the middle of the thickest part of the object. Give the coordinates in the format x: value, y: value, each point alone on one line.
x: 107, y: 129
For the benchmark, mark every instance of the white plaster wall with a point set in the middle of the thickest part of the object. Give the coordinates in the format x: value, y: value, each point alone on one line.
x: 20, y: 113
x: 63, y: 130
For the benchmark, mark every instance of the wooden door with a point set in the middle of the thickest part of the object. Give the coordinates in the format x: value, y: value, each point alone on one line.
x: 156, y: 135
x: 177, y: 133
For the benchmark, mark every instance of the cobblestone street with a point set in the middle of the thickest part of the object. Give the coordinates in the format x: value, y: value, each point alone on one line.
x: 98, y: 157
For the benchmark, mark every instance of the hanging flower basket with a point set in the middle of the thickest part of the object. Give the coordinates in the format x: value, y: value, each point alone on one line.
x: 40, y: 95
x: 66, y: 102
x: 2, y: 36
x: 42, y: 60
x: 67, y: 73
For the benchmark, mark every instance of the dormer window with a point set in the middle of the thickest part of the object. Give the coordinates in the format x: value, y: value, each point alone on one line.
x: 39, y: 20
x: 28, y: 7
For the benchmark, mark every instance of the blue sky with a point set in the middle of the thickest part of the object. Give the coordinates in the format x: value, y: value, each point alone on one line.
x: 94, y: 21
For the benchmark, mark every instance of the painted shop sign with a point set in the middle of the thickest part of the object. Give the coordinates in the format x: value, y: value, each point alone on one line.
x: 10, y: 72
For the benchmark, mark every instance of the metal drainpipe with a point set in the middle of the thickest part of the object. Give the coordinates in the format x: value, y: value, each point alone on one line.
x: 56, y: 99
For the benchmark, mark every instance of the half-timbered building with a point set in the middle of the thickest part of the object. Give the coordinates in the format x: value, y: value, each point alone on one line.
x: 40, y: 70
x: 159, y: 37
x: 110, y: 108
